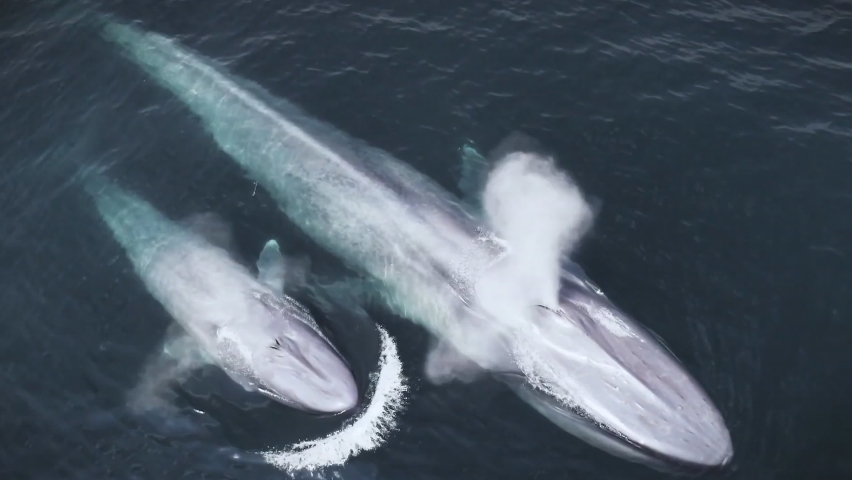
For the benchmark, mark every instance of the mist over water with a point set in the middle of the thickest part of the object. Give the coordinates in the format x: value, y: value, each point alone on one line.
x: 537, y: 213
x: 541, y: 213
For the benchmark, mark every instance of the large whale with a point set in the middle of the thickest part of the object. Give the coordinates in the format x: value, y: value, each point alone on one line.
x: 569, y: 353
x: 263, y: 339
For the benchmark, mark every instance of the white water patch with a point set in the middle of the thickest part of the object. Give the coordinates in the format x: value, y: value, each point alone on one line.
x: 366, y: 432
x: 538, y: 371
x: 233, y: 350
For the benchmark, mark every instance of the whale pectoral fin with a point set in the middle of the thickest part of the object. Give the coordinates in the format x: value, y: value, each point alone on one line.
x: 212, y: 227
x: 172, y: 363
x: 179, y: 346
x: 444, y: 363
x: 280, y: 274
x: 474, y: 169
x: 270, y: 267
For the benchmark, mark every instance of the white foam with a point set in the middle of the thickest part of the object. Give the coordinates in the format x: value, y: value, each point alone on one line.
x: 366, y: 432
x: 542, y: 214
x: 605, y: 317
x: 539, y: 371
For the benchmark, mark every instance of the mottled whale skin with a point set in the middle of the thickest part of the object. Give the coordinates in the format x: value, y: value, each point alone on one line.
x: 425, y: 252
x: 263, y: 339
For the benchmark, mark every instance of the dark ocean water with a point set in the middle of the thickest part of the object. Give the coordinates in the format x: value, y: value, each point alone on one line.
x: 717, y: 134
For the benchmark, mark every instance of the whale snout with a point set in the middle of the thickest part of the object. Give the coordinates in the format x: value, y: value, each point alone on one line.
x: 302, y: 369
x: 659, y: 446
x: 614, y: 384
x: 333, y: 390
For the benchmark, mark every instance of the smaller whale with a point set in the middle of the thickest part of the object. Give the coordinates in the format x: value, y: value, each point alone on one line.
x: 263, y: 339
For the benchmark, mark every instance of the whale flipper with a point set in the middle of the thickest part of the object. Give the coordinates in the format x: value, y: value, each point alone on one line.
x: 212, y: 228
x: 278, y: 273
x: 270, y: 266
x: 474, y: 169
x: 178, y: 356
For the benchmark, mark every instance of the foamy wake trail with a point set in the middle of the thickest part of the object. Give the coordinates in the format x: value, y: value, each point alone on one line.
x: 542, y: 214
x: 366, y: 432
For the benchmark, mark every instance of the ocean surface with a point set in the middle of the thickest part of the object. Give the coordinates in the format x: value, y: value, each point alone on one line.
x: 717, y: 135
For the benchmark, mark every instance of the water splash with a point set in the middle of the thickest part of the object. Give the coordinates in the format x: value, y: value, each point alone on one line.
x: 541, y: 212
x: 366, y: 432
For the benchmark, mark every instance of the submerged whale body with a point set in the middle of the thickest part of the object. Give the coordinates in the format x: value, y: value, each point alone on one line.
x: 263, y: 339
x: 559, y: 344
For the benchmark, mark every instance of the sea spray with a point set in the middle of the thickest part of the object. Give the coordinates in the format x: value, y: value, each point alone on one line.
x: 541, y: 213
x: 366, y: 432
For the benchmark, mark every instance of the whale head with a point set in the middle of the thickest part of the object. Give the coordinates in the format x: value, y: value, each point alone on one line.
x: 302, y: 368
x: 290, y: 361
x: 601, y: 376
